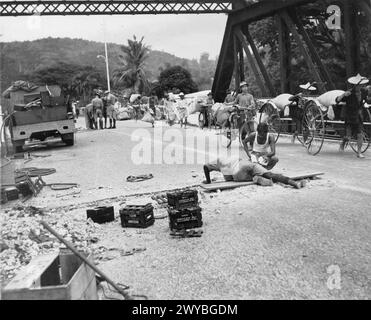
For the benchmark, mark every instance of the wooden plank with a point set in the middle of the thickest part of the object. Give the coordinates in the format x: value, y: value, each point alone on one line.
x: 69, y: 265
x: 51, y: 275
x: 44, y: 293
x: 81, y: 281
x: 81, y: 285
x: 258, y: 59
x: 250, y: 58
x: 312, y: 68
x: 29, y: 276
x: 225, y: 185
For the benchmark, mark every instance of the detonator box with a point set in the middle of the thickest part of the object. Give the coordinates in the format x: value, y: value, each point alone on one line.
x: 137, y: 216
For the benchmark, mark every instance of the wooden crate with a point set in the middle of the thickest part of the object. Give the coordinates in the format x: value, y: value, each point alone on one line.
x: 59, y: 276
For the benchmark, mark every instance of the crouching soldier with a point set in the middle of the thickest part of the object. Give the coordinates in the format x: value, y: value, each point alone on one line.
x: 260, y: 147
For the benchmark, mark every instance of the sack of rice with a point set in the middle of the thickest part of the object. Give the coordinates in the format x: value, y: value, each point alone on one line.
x: 194, y: 107
x: 328, y: 99
x: 148, y: 117
x: 282, y: 101
x: 123, y: 115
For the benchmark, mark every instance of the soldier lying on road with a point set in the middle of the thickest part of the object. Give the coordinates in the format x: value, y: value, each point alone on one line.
x: 238, y: 170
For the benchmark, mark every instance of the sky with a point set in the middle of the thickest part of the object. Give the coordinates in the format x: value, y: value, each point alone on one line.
x: 185, y: 36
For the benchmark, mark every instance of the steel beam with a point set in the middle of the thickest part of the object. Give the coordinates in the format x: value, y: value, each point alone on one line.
x: 112, y: 7
x: 312, y: 50
x: 264, y: 9
x: 259, y: 61
x: 352, y: 39
x: 285, y: 54
x: 241, y: 62
x: 312, y: 68
x: 365, y: 5
x: 237, y: 71
x: 240, y: 36
x: 225, y: 66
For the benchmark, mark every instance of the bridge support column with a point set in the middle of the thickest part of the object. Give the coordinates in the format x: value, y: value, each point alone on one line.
x: 250, y: 59
x: 285, y: 54
x: 352, y: 40
x: 237, y: 69
x: 312, y: 67
x: 259, y: 61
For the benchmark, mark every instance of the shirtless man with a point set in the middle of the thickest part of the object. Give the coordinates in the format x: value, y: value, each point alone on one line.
x: 260, y: 147
x: 238, y: 170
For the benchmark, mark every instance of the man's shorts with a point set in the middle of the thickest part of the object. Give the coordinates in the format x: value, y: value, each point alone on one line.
x: 247, y: 170
x: 111, y: 112
x: 98, y: 113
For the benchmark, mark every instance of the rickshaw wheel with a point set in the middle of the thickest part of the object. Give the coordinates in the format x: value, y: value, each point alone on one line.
x: 275, y: 126
x: 244, y: 132
x: 366, y: 137
x: 313, y: 128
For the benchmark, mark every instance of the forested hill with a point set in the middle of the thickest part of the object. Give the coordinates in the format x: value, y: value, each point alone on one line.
x: 20, y: 58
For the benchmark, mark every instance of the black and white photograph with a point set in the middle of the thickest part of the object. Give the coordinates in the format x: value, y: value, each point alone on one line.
x: 188, y: 156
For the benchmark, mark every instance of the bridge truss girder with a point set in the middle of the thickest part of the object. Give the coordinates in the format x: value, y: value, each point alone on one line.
x: 288, y: 22
x: 112, y: 7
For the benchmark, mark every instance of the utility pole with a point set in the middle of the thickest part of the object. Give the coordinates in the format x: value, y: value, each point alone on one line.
x: 107, y: 67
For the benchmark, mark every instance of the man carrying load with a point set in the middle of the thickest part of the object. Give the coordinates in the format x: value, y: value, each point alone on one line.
x: 352, y: 111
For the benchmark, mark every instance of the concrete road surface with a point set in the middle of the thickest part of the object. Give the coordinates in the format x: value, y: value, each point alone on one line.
x: 258, y: 243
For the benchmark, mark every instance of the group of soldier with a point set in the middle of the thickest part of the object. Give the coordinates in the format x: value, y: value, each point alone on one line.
x: 102, y: 107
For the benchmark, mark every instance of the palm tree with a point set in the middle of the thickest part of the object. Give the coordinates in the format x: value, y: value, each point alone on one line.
x: 133, y: 74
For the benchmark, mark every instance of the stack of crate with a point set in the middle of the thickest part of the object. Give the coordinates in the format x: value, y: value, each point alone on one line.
x: 137, y: 216
x: 184, y: 210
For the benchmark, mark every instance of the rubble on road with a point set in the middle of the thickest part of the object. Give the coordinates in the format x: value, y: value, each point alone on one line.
x: 24, y: 238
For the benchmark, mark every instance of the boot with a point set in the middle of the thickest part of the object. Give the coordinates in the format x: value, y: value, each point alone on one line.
x: 105, y: 123
x: 114, y: 124
x: 101, y: 124
x: 110, y: 124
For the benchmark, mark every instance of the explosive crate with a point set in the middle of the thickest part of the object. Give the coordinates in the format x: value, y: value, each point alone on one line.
x: 184, y: 210
x: 58, y: 276
x: 137, y: 216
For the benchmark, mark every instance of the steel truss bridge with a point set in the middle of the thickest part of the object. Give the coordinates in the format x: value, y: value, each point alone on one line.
x: 238, y: 46
x: 95, y: 7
